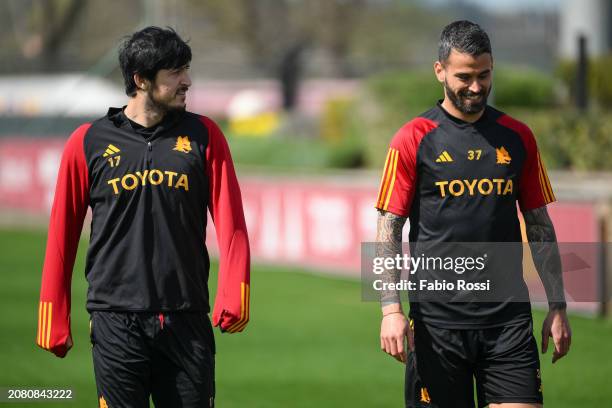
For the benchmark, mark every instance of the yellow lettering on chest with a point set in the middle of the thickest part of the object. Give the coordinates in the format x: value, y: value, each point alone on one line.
x: 153, y: 177
x: 485, y: 186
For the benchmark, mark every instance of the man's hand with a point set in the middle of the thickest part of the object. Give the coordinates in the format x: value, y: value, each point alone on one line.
x: 556, y: 325
x: 393, y: 331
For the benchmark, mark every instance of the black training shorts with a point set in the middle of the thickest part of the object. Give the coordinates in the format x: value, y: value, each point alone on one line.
x: 169, y: 357
x: 503, y: 360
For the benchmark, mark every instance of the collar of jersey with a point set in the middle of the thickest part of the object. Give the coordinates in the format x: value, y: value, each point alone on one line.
x: 118, y: 117
x: 462, y: 123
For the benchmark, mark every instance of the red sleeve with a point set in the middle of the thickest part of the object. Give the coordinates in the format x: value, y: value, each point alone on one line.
x: 534, y: 189
x: 398, y: 183
x: 231, y: 310
x: 67, y: 215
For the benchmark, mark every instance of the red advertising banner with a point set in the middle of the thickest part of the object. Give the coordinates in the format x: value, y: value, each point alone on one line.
x: 28, y: 170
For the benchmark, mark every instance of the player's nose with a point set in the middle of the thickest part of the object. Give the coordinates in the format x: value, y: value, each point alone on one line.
x: 475, y: 87
x: 186, y: 79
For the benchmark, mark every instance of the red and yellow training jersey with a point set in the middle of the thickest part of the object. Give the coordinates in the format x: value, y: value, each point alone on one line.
x: 460, y: 182
x: 149, y: 191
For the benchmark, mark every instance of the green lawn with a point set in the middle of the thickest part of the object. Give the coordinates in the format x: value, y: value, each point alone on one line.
x: 312, y: 342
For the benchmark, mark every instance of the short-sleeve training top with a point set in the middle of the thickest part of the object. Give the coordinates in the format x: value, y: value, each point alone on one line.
x: 459, y: 182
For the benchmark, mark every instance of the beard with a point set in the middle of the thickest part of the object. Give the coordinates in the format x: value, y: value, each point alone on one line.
x: 164, y: 106
x: 461, y: 99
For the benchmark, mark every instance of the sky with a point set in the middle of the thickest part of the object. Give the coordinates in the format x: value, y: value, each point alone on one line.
x: 507, y: 5
x: 516, y: 4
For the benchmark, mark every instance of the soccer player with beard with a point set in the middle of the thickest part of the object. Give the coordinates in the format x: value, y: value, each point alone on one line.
x: 457, y: 171
x: 149, y: 171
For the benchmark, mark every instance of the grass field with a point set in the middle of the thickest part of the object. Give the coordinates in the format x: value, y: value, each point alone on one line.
x: 312, y: 342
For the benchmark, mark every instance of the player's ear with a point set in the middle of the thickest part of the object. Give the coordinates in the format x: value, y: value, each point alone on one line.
x: 141, y: 82
x: 439, y: 71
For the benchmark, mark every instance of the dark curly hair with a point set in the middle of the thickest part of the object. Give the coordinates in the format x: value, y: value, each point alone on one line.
x: 147, y: 51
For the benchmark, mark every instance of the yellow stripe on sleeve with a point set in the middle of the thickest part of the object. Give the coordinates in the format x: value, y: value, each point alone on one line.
x: 387, y: 178
x: 383, y: 179
x: 39, y: 334
x: 49, y: 324
x: 551, y: 193
x: 393, y: 174
x: 541, y: 177
x: 246, y: 320
x: 541, y: 183
x: 237, y: 329
x: 44, y: 325
x: 244, y: 309
x: 248, y: 309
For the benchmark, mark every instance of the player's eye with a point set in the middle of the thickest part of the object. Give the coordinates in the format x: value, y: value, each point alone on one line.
x: 180, y: 70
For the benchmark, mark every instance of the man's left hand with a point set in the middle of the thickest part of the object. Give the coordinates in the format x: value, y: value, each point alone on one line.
x: 556, y: 325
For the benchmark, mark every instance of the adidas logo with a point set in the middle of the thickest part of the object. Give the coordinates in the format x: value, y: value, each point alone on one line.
x: 444, y: 158
x: 110, y: 150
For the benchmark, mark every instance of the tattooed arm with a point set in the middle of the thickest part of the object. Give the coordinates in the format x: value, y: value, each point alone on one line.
x: 545, y: 253
x: 388, y: 244
x: 394, y: 327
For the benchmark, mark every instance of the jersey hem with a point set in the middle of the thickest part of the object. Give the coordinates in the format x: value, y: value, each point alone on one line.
x: 469, y: 326
x: 149, y: 310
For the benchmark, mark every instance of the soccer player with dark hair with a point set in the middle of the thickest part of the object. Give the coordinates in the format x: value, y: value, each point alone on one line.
x: 457, y: 172
x: 149, y: 171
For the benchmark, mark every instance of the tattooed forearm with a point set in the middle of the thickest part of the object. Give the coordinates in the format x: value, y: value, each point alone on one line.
x: 545, y: 253
x: 389, y: 244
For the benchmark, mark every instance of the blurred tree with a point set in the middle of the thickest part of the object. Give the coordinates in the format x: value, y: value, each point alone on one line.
x: 336, y: 24
x: 45, y: 25
x: 59, y: 18
x: 276, y: 33
x: 63, y: 35
x: 290, y: 38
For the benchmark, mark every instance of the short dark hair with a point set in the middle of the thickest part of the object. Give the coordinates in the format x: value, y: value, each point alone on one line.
x: 147, y: 51
x: 465, y: 37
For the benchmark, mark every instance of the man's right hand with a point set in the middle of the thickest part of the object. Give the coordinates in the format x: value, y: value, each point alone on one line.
x: 393, y: 331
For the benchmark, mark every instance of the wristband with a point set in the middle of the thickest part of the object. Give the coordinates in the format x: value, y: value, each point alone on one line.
x: 557, y: 305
